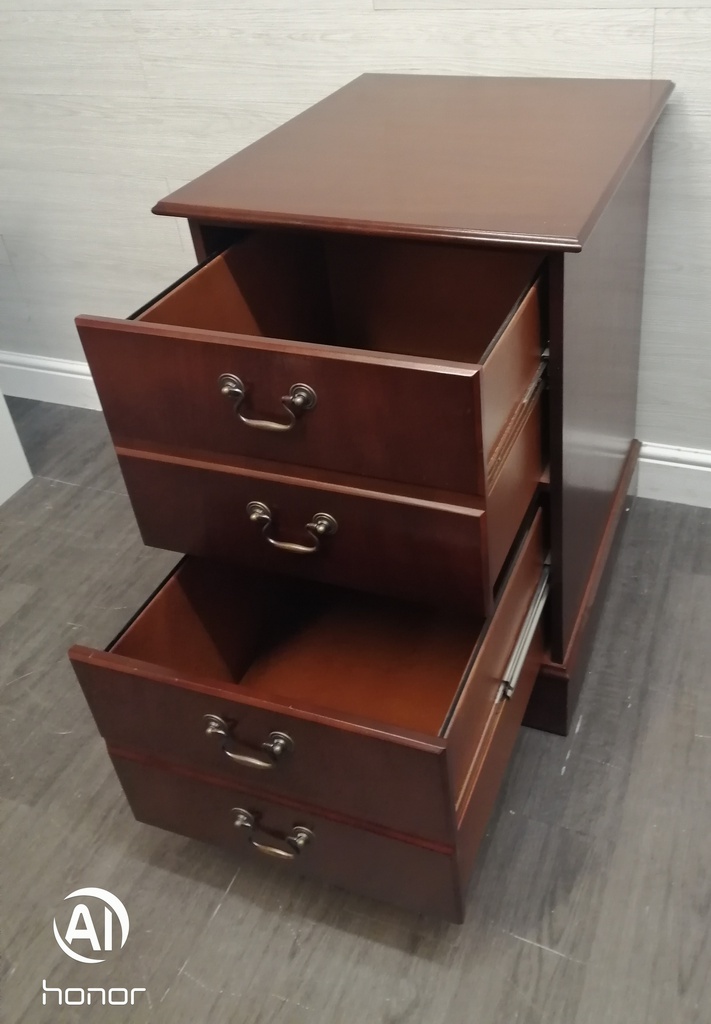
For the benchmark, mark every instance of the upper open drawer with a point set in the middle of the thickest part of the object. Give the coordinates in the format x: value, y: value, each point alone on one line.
x: 374, y: 357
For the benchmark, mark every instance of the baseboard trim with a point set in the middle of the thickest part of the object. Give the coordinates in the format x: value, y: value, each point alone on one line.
x: 671, y: 473
x: 62, y: 381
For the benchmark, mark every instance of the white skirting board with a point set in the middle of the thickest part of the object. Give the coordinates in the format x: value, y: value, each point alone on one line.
x: 676, y: 474
x: 62, y: 381
x: 666, y: 472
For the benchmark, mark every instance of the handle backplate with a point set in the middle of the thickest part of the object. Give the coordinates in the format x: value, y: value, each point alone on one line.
x: 275, y: 746
x: 321, y: 525
x: 301, y: 398
x: 296, y: 839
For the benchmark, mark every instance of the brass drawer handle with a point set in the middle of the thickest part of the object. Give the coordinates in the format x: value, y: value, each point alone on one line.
x: 296, y: 839
x: 300, y: 399
x: 322, y: 525
x: 275, y: 745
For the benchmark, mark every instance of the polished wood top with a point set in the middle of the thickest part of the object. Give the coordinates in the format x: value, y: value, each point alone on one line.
x: 512, y: 161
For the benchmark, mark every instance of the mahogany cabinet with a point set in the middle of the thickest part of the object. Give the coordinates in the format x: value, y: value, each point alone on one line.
x: 389, y: 419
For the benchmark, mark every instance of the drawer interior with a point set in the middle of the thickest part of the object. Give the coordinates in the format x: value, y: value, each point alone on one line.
x: 305, y: 645
x: 379, y: 294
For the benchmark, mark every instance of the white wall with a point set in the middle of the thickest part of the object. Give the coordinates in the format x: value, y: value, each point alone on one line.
x: 109, y: 104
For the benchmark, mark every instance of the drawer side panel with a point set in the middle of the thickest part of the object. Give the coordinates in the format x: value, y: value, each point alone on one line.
x: 479, y: 696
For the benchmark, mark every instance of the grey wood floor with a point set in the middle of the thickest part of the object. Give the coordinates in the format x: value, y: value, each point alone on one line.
x: 590, y: 903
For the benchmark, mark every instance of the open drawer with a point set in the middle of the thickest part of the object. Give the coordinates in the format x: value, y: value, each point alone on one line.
x: 359, y: 705
x: 373, y: 357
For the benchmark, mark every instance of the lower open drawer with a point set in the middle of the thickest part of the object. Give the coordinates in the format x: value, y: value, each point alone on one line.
x: 422, y: 876
x: 353, y: 703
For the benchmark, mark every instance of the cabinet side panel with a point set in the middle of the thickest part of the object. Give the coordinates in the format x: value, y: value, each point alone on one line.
x: 594, y: 369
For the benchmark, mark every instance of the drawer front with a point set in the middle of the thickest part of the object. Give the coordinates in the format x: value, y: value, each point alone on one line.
x: 412, y: 549
x: 374, y: 415
x: 393, y: 781
x: 375, y: 864
x: 419, y: 420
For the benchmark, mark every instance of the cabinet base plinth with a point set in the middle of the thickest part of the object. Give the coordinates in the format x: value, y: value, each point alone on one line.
x: 557, y: 690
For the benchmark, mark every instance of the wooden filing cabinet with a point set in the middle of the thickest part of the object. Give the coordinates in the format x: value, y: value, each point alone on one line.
x: 389, y: 419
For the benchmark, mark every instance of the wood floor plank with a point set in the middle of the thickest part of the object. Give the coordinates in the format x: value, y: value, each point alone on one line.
x: 68, y: 445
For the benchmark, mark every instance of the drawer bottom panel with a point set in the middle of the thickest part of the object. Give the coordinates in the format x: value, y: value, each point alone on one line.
x: 421, y: 878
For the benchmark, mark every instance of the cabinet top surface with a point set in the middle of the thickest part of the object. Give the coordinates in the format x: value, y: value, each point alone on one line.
x: 512, y: 161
